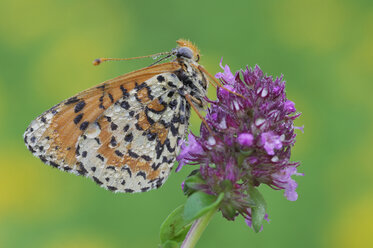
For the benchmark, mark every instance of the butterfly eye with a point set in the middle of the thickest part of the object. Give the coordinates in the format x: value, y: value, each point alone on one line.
x: 184, y: 52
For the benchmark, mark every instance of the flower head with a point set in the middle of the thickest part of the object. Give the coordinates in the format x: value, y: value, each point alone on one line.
x: 250, y: 142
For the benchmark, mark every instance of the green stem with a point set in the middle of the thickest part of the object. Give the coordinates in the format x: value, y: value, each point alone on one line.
x: 197, y: 229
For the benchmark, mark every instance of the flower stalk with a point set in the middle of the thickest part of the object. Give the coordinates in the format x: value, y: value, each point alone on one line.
x: 197, y: 229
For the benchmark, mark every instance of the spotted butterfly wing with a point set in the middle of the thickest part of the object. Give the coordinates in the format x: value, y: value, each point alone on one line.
x: 132, y: 147
x: 125, y: 132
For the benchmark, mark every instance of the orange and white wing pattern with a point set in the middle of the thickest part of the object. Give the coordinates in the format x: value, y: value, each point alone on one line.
x: 132, y: 147
x: 124, y: 133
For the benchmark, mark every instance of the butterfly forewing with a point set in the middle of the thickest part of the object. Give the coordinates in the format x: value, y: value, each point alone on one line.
x: 124, y: 133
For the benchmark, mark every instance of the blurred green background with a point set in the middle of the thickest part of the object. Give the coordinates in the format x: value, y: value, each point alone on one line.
x: 323, y: 47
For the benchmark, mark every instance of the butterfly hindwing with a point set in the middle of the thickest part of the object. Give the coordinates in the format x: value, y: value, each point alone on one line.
x: 132, y: 147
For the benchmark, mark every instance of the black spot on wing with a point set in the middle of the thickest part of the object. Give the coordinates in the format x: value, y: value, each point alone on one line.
x: 128, y: 170
x: 101, y: 87
x: 146, y: 158
x: 155, y: 166
x: 113, y: 126
x: 159, y: 182
x: 113, y: 141
x: 159, y: 149
x: 43, y: 159
x: 151, y: 136
x: 118, y: 153
x: 84, y: 125
x: 160, y: 78
x: 133, y: 154
x: 171, y: 84
x: 168, y: 145
x: 124, y: 91
x: 31, y: 149
x: 145, y: 189
x: 171, y: 94
x: 149, y: 119
x: 125, y: 129
x: 173, y: 104
x: 128, y: 137
x: 78, y: 118
x: 81, y: 170
x: 125, y: 105
x: 53, y: 164
x: 100, y: 157
x: 72, y: 100
x: 111, y: 188
x: 174, y: 130
x: 142, y: 174
x: 79, y: 106
x: 142, y: 85
x: 97, y: 180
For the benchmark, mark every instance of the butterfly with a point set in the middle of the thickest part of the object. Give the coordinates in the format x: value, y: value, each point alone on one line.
x: 124, y: 133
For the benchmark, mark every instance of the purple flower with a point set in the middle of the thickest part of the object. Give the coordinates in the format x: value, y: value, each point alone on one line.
x: 188, y: 153
x: 282, y: 179
x: 290, y: 106
x: 245, y: 139
x: 271, y: 141
x: 250, y: 142
x: 227, y: 75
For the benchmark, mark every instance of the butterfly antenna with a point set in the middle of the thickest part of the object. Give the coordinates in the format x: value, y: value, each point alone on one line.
x: 100, y: 60
x: 161, y: 59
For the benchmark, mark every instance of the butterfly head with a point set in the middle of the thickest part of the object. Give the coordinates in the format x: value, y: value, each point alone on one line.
x: 187, y: 49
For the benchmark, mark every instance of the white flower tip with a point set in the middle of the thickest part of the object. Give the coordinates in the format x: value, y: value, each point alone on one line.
x: 223, y: 124
x: 236, y: 106
x: 259, y: 121
x: 211, y: 141
x: 264, y: 92
x: 274, y: 159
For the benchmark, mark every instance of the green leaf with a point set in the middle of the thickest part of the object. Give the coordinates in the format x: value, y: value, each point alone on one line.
x: 259, y: 210
x: 170, y: 244
x: 200, y: 203
x: 175, y: 227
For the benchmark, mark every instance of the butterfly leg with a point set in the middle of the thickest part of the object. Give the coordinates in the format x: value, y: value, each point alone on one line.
x: 191, y: 101
x: 217, y: 82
